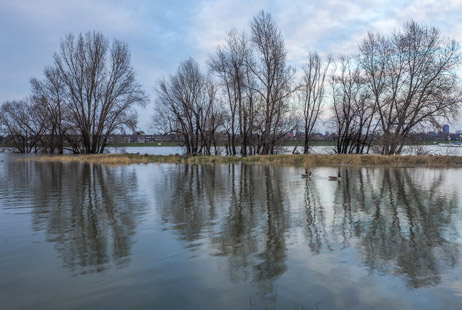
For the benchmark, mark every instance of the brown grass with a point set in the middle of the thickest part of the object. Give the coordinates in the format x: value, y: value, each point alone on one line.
x: 300, y: 160
x: 359, y: 160
x: 126, y: 159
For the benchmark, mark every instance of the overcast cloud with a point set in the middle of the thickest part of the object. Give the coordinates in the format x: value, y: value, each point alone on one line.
x: 161, y: 34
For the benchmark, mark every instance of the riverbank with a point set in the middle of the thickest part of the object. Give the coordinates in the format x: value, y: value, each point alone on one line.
x: 299, y: 160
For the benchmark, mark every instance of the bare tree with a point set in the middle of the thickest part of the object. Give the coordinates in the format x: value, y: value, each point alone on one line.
x: 187, y: 105
x: 251, y: 110
x: 92, y: 85
x: 229, y: 64
x: 255, y: 82
x: 353, y: 108
x: 412, y: 77
x: 273, y: 79
x: 50, y: 94
x: 24, y: 123
x: 311, y: 94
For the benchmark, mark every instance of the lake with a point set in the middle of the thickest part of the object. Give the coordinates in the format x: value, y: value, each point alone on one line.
x: 166, y: 236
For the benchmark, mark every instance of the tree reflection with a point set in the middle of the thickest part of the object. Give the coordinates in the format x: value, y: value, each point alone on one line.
x: 274, y: 253
x: 252, y: 218
x: 403, y: 222
x: 237, y: 238
x: 87, y: 212
x: 400, y: 222
x: 189, y: 198
x: 241, y: 208
x: 315, y: 229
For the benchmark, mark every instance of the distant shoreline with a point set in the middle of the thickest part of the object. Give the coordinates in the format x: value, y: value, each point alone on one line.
x: 286, y: 144
x: 310, y: 160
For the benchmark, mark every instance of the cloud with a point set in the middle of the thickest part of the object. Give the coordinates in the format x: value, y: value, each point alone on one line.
x: 211, y: 20
x: 161, y: 34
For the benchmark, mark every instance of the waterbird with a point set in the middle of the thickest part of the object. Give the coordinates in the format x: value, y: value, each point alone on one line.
x: 306, y: 175
x: 335, y: 178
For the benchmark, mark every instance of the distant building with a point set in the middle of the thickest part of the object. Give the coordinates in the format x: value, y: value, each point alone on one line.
x: 446, y: 129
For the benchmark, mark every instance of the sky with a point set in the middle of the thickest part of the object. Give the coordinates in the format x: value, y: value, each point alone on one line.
x: 162, y: 34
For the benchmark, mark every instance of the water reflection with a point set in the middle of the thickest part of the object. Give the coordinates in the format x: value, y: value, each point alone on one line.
x: 86, y: 211
x: 242, y: 209
x: 237, y: 238
x: 404, y: 223
x: 315, y: 228
x: 189, y: 196
x: 281, y: 241
x: 399, y: 220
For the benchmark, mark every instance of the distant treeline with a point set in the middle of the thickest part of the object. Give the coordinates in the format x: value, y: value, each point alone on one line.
x: 395, y: 86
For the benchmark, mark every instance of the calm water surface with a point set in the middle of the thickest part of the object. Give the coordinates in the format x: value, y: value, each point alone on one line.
x: 163, y: 236
x: 407, y: 150
x: 170, y: 150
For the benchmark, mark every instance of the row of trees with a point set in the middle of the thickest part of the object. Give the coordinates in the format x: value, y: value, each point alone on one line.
x: 249, y: 94
x: 88, y: 93
x: 245, y: 94
x: 395, y: 85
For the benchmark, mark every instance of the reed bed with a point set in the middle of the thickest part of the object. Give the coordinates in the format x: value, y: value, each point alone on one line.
x: 359, y: 160
x: 299, y: 160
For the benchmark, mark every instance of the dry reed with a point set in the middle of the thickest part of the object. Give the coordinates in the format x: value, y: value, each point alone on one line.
x: 300, y: 160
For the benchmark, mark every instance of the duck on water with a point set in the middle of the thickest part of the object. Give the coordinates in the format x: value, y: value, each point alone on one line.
x: 335, y: 178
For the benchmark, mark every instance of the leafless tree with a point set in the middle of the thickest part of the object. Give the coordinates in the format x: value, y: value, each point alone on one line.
x: 311, y: 94
x: 353, y: 109
x: 92, y: 85
x: 50, y: 94
x: 412, y: 77
x: 273, y: 81
x: 254, y: 81
x: 229, y: 65
x: 187, y: 105
x: 251, y: 110
x: 24, y: 123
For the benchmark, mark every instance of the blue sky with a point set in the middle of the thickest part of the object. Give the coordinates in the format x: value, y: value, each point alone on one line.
x: 161, y: 34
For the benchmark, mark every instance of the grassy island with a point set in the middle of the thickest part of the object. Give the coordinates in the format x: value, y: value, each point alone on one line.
x: 299, y: 160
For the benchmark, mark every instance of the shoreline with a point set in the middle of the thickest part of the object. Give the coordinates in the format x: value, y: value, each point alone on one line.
x: 309, y: 160
x: 284, y: 144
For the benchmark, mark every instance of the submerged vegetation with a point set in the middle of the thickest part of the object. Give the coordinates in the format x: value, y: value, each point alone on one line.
x: 300, y: 160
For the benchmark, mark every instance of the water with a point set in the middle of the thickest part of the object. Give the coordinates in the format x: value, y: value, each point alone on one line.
x: 151, y: 150
x: 407, y: 150
x: 171, y: 150
x: 164, y: 236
